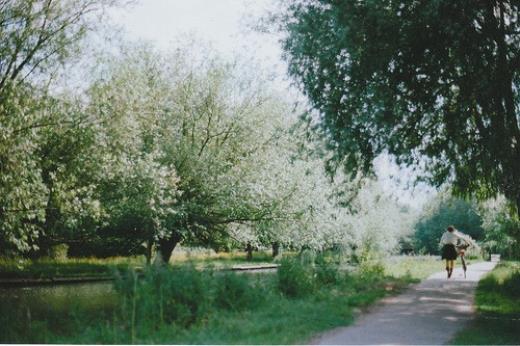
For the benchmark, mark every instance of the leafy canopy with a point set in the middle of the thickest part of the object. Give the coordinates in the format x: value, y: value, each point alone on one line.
x: 441, y: 212
x: 43, y: 184
x: 434, y: 83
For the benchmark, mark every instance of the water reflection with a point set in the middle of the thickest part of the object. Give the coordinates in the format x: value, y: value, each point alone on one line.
x: 62, y: 290
x: 58, y: 297
x: 31, y: 314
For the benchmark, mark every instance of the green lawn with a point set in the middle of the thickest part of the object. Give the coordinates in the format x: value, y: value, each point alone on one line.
x: 498, y: 305
x: 180, y: 305
x: 416, y: 267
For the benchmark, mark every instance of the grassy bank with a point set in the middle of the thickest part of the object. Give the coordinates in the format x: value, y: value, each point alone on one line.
x: 184, y: 305
x: 50, y: 268
x: 498, y: 305
x: 96, y: 267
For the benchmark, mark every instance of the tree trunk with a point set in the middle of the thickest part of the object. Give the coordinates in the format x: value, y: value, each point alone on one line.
x: 44, y: 239
x: 149, y: 251
x: 249, y: 250
x: 518, y: 206
x: 516, y: 233
x: 276, y: 249
x: 166, y: 246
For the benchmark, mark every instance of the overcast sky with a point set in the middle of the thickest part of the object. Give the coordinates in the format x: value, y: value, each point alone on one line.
x: 228, y: 25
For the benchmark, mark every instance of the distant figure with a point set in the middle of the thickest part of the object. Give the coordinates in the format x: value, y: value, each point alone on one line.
x: 449, y: 241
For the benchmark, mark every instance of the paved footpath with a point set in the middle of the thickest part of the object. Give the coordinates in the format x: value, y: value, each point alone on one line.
x: 429, y: 313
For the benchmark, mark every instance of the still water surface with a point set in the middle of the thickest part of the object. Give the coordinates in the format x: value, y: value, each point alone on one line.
x: 58, y: 297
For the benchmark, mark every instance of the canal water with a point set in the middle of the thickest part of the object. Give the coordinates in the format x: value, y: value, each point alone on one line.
x: 24, y: 309
x: 57, y: 296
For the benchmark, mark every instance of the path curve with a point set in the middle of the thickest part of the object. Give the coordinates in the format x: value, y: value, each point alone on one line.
x: 429, y: 313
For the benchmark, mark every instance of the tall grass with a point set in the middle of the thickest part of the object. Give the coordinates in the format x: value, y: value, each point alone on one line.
x: 165, y: 295
x: 295, y: 279
x: 238, y: 292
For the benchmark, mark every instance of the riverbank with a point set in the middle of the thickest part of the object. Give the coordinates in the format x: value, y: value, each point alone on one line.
x: 253, y: 309
x: 49, y: 270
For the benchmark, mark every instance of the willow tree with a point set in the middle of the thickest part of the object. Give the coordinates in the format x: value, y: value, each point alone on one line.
x: 434, y: 83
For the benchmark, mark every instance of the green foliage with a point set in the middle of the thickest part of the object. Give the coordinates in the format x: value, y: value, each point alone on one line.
x: 235, y: 292
x: 327, y: 269
x: 160, y: 149
x: 181, y: 296
x: 199, y: 156
x: 45, y: 184
x: 502, y: 228
x: 59, y: 252
x: 437, y: 91
x: 442, y: 213
x: 22, y: 190
x: 302, y: 275
x: 499, y: 291
x: 108, y: 243
x: 138, y: 310
x: 371, y: 269
x: 295, y: 279
x: 498, y: 304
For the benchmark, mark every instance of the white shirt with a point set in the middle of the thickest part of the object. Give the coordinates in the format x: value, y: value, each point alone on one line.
x: 450, y: 238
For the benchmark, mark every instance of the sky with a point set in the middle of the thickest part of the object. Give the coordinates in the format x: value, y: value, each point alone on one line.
x: 229, y: 26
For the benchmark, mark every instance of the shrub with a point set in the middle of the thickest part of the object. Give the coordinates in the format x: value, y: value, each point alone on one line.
x: 326, y: 271
x: 184, y: 294
x: 166, y: 295
x: 234, y: 292
x: 294, y: 278
x: 373, y: 269
x: 59, y: 252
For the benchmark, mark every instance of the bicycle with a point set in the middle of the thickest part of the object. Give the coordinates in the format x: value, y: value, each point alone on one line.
x: 461, y: 249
